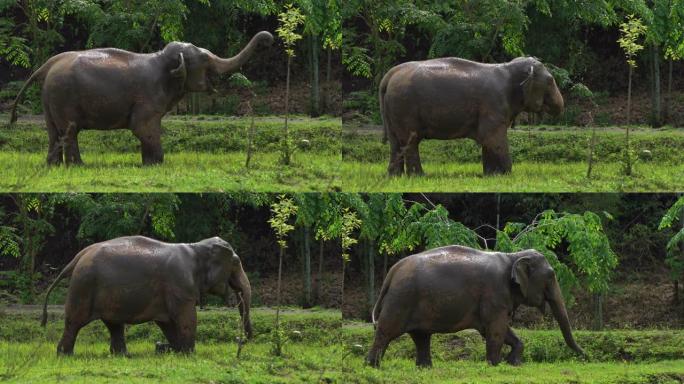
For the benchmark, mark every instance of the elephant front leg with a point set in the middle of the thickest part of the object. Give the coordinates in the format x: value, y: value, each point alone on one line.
x: 496, y: 158
x: 185, y: 329
x: 495, y: 334
x: 149, y: 134
x: 423, y: 355
x: 515, y: 356
x: 117, y: 339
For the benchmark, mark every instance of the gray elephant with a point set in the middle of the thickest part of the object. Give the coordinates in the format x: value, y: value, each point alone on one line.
x: 110, y: 88
x: 452, y: 288
x: 132, y: 280
x: 451, y: 98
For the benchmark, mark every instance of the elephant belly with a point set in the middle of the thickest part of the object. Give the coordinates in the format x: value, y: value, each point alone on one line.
x: 443, y: 313
x: 130, y: 303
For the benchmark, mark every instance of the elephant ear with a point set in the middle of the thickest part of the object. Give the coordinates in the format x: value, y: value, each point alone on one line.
x: 533, y: 91
x: 181, y: 72
x: 520, y: 274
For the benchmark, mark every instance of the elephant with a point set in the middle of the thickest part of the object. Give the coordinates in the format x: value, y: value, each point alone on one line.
x: 136, y: 279
x: 449, y: 98
x: 109, y: 88
x: 452, y: 288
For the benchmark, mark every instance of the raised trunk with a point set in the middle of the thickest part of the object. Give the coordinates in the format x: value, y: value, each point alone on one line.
x: 234, y: 63
x: 240, y: 284
x: 558, y: 309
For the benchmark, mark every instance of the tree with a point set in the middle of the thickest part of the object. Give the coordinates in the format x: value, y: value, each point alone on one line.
x: 349, y: 224
x: 282, y: 211
x: 290, y: 19
x: 588, y: 250
x: 631, y: 31
x: 675, y: 256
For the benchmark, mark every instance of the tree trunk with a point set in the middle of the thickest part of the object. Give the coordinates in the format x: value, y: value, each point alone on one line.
x: 656, y: 112
x: 628, y: 155
x: 629, y: 95
x: 598, y: 312
x: 384, y: 265
x: 371, y: 273
x: 328, y: 74
x: 317, y: 285
x: 286, y: 133
x: 592, y: 144
x: 344, y: 264
x: 315, y: 108
x: 307, y: 269
x: 668, y: 95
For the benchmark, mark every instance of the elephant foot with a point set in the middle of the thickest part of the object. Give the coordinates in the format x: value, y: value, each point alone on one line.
x: 373, y: 361
x: 162, y: 347
x: 514, y: 360
x: 424, y: 364
x: 121, y: 353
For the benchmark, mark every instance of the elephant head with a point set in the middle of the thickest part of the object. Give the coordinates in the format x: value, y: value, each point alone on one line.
x: 223, y: 269
x: 200, y: 63
x: 538, y: 285
x: 539, y: 89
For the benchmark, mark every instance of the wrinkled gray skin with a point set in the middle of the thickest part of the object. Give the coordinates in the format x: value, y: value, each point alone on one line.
x: 452, y: 288
x: 110, y: 88
x: 451, y: 98
x: 132, y: 280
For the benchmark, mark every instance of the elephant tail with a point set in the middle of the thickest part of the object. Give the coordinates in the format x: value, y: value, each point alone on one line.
x: 66, y: 272
x: 378, y: 303
x: 381, y: 99
x: 38, y: 75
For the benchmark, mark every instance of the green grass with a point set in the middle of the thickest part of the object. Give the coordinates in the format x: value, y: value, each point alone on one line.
x: 324, y: 353
x: 200, y: 155
x: 526, y: 177
x: 545, y: 159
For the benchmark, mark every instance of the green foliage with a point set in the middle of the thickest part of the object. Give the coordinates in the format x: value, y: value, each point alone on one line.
x: 13, y: 49
x: 630, y: 32
x: 674, y: 260
x: 589, y: 257
x: 281, y: 212
x: 290, y: 20
x: 107, y: 216
x: 349, y: 224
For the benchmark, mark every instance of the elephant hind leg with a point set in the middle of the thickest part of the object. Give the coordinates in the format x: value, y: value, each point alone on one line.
x: 72, y: 153
x: 117, y: 344
x: 71, y: 329
x: 515, y: 356
x: 55, y: 154
x: 396, y: 162
x: 412, y: 155
x: 422, y: 342
x: 383, y: 337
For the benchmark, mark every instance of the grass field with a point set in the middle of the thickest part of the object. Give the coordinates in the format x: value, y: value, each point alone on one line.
x: 323, y: 352
x: 205, y: 153
x: 545, y: 159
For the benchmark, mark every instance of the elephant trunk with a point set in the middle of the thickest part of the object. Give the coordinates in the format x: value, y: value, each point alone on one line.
x: 559, y: 313
x: 243, y: 289
x: 554, y: 100
x: 234, y: 63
